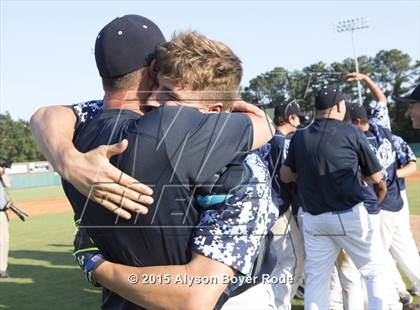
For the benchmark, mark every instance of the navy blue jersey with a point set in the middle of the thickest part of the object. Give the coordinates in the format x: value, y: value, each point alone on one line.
x: 274, y: 154
x: 381, y: 140
x: 404, y: 155
x: 329, y: 158
x: 175, y: 158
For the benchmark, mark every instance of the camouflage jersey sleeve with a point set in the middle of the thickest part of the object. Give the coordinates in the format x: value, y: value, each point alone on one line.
x: 232, y: 232
x: 404, y: 153
x: 379, y: 114
x: 85, y: 111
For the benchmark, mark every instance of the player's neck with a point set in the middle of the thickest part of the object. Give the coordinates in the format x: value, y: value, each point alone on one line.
x: 285, y: 130
x: 123, y: 100
x: 365, y: 127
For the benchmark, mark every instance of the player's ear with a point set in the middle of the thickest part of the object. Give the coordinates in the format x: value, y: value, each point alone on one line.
x: 152, y: 70
x: 216, y: 107
x: 337, y: 107
x: 340, y: 106
x: 293, y: 118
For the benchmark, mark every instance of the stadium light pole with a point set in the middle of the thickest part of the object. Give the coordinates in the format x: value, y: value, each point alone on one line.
x: 352, y: 25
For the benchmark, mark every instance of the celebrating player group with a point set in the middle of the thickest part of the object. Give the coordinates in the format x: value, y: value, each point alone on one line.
x: 187, y: 197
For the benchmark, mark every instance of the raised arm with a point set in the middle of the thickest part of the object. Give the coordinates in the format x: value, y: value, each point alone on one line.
x: 90, y: 173
x: 377, y: 93
x: 379, y: 114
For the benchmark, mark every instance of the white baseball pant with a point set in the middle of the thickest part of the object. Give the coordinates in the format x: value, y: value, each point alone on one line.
x: 398, y: 238
x: 287, y: 244
x: 324, y: 236
x: 350, y: 282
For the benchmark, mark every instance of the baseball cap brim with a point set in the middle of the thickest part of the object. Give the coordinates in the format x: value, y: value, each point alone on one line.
x: 407, y: 99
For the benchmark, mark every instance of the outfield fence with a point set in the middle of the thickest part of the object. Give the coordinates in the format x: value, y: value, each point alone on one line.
x: 33, y: 174
x: 41, y: 174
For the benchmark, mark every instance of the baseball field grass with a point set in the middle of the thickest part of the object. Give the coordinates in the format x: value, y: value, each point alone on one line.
x: 413, y: 193
x: 36, y: 193
x: 44, y: 275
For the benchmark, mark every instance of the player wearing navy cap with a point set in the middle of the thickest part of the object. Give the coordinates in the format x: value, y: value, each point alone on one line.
x: 288, y: 240
x: 211, y: 238
x: 131, y: 39
x: 324, y: 160
x: 413, y: 101
x: 204, y: 243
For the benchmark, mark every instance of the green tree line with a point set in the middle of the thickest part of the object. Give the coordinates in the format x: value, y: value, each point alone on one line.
x: 394, y: 72
x: 16, y: 141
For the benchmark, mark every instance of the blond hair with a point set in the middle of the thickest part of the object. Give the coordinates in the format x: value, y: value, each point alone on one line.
x: 204, y: 65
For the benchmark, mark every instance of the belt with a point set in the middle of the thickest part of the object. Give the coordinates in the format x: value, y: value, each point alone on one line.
x: 343, y: 211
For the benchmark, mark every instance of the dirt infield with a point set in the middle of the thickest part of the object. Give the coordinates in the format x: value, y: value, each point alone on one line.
x: 60, y: 205
x: 40, y: 207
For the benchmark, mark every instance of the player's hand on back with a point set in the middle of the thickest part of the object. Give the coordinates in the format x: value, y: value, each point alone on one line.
x: 95, y: 177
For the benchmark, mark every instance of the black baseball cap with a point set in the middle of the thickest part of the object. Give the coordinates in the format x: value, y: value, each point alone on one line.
x: 126, y: 44
x: 327, y: 97
x: 358, y: 111
x: 412, y: 98
x: 285, y: 110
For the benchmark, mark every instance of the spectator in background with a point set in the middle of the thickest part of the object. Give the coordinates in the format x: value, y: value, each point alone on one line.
x: 4, y: 225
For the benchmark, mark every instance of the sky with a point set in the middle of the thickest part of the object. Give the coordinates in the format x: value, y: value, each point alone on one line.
x: 46, y: 47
